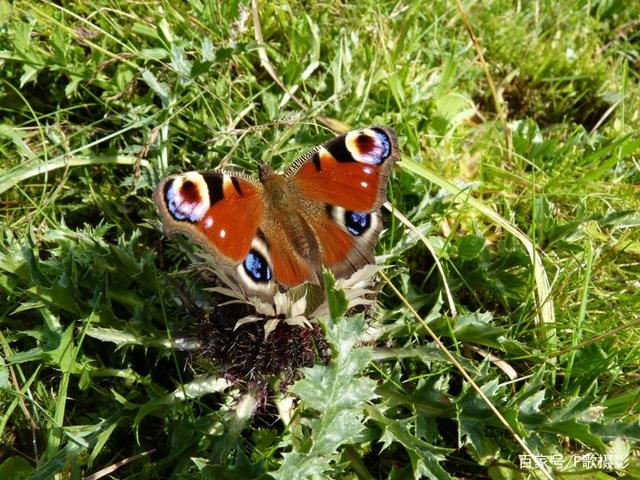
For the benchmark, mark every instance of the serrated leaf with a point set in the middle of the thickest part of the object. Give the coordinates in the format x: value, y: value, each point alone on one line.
x: 179, y: 61
x: 338, y: 395
x: 343, y: 427
x: 429, y: 400
x: 530, y: 408
x: 476, y: 328
x: 160, y: 88
x: 30, y: 74
x: 576, y: 430
x: 297, y: 465
x: 473, y: 415
x: 425, y: 458
x: 613, y: 430
x: 326, y: 387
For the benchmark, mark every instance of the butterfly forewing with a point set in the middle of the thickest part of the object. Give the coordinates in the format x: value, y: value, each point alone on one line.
x: 349, y: 171
x: 220, y: 211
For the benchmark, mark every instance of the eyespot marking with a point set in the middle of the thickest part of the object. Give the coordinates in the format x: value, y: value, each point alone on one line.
x: 356, y: 222
x: 256, y: 267
x: 187, y: 197
x: 370, y: 145
x: 189, y: 192
x: 364, y: 142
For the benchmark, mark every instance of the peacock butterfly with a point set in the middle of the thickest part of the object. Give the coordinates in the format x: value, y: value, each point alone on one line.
x: 278, y: 232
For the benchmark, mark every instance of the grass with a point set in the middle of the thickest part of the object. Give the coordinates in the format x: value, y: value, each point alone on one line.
x: 119, y: 361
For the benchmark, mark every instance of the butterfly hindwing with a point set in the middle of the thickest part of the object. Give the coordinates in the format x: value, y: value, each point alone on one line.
x: 347, y: 239
x: 273, y: 260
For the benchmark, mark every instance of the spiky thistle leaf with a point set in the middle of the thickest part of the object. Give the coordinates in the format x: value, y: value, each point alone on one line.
x: 338, y: 394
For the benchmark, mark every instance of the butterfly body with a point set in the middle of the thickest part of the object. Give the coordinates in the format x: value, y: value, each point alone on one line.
x: 280, y: 231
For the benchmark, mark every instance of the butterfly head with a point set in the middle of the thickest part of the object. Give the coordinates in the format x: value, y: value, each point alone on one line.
x: 264, y: 171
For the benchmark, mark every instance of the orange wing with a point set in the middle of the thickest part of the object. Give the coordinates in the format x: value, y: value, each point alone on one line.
x: 289, y: 269
x: 347, y: 239
x: 349, y: 171
x: 220, y: 211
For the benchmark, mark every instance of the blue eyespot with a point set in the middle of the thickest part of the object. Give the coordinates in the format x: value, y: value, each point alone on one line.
x: 384, y: 141
x: 357, y: 223
x: 257, y: 267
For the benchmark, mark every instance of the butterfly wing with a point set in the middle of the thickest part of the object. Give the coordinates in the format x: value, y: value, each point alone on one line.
x: 343, y: 183
x: 349, y: 171
x: 218, y: 210
x: 227, y: 215
x: 346, y: 239
x: 338, y: 189
x: 290, y: 267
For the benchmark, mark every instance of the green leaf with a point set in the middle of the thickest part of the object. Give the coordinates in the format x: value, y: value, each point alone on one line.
x: 610, y: 431
x: 530, y: 409
x: 338, y: 395
x: 336, y: 299
x: 505, y: 471
x: 425, y: 458
x: 56, y: 296
x: 4, y: 375
x: 473, y: 414
x: 575, y: 430
x: 64, y: 356
x: 476, y: 328
x: 179, y: 61
x: 15, y: 468
x: 232, y: 470
x: 470, y: 246
x: 297, y: 465
x: 326, y: 386
x: 10, y: 133
x: 160, y: 88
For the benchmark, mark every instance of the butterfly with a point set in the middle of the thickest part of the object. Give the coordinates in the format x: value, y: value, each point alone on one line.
x: 279, y: 232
